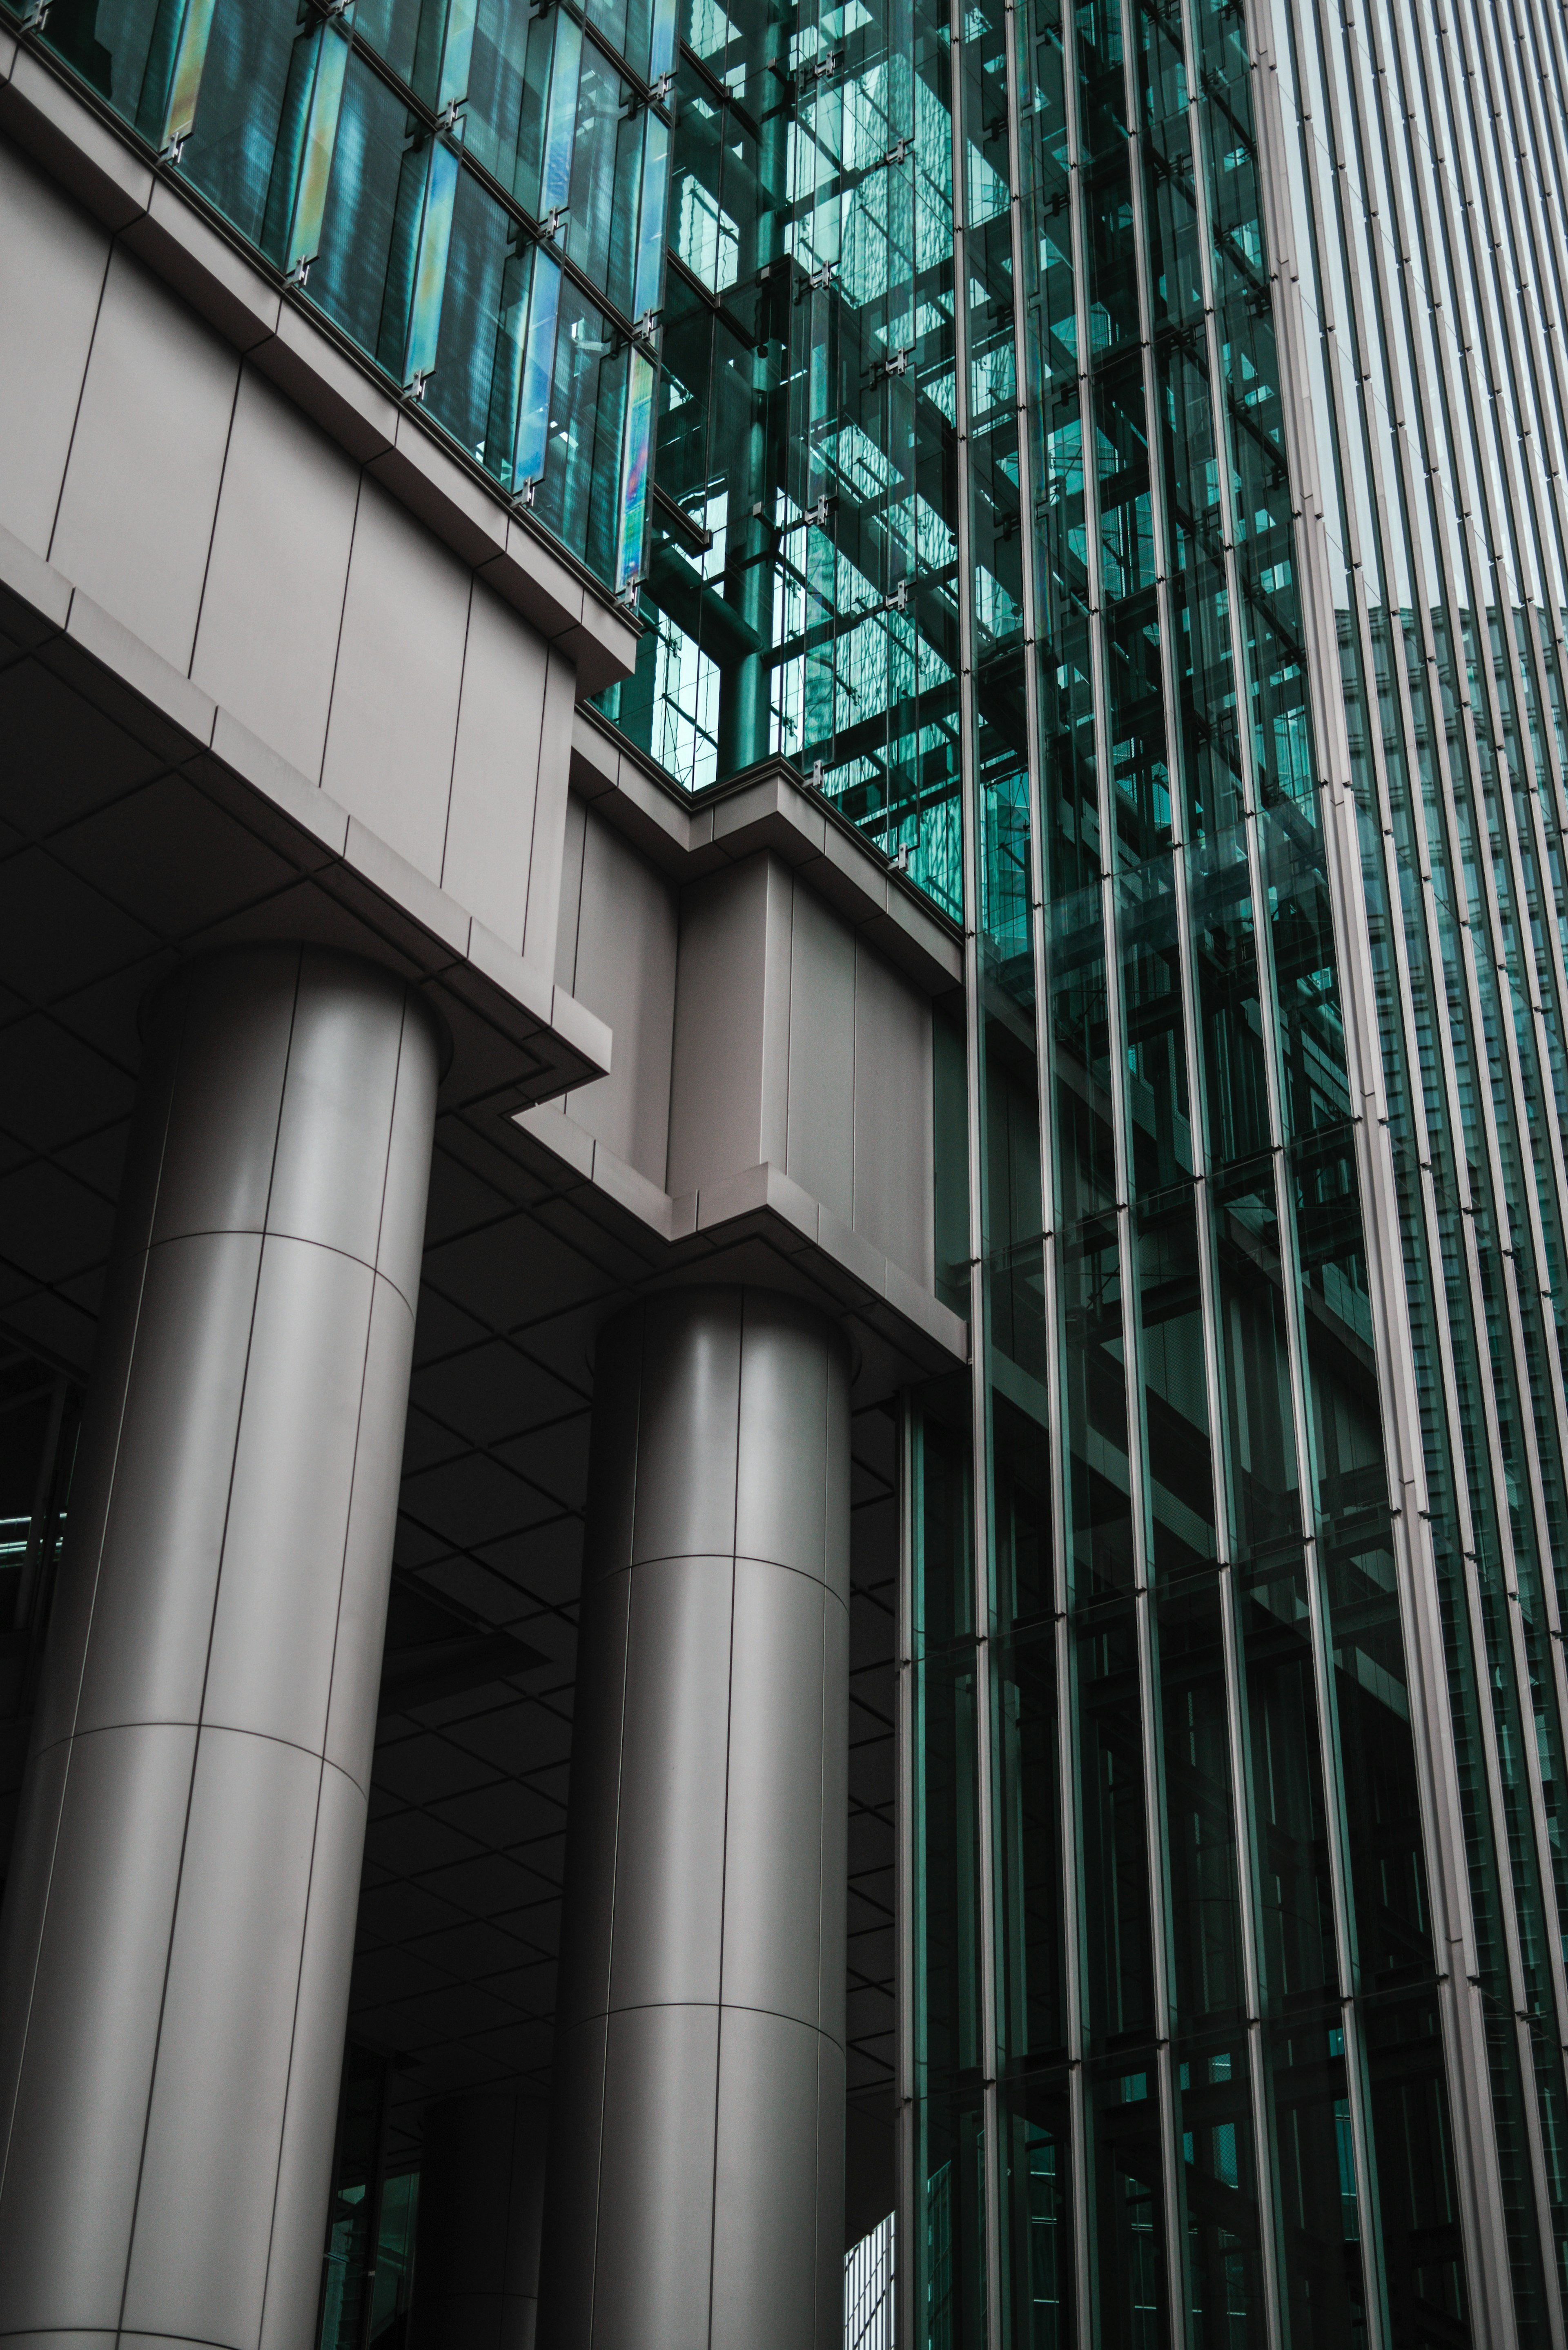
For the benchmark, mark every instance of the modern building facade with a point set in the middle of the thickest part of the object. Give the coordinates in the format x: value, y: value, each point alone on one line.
x: 781, y: 1184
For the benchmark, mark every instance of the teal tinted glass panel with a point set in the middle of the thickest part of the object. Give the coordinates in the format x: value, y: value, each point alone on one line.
x: 1226, y: 2298
x: 948, y: 2252
x: 1321, y: 2211
x: 110, y: 44
x: 538, y: 372
x: 1038, y: 2215
x: 1131, y: 2291
x: 634, y: 471
x: 472, y: 385
x: 1031, y: 1957
x: 232, y: 151
x: 1207, y: 1977
x: 430, y: 266
x: 1118, y: 1959
x: 1175, y: 1435
x: 1286, y: 1802
x: 579, y: 492
x: 360, y: 277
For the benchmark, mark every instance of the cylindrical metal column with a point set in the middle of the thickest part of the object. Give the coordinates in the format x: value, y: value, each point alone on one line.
x: 482, y: 2191
x: 179, y: 1921
x: 695, y: 2187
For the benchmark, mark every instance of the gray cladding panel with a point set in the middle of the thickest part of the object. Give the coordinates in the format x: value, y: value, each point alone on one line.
x: 52, y: 265
x: 198, y: 2260
x: 393, y: 729
x: 229, y: 1024
x: 893, y: 1123
x: 400, y: 1242
x: 656, y: 2184
x: 587, y: 1926
x: 625, y: 967
x: 669, y: 1891
x: 315, y: 2056
x: 830, y: 2150
x: 721, y: 1007
x: 831, y: 2002
x: 274, y: 1624
x: 550, y: 811
x: 490, y: 831
x: 765, y: 2219
x: 360, y: 1634
x: 156, y: 1584
x: 773, y: 1822
x: 781, y: 1489
x: 135, y: 524
x: 267, y: 642
x: 689, y: 1408
x: 92, y: 2002
x: 572, y: 2184
x: 331, y: 1166
x: 821, y: 1152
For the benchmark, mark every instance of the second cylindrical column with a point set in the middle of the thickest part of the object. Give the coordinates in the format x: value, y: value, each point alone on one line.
x: 695, y: 2187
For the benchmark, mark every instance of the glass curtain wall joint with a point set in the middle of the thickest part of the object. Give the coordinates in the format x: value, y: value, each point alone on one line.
x: 472, y: 192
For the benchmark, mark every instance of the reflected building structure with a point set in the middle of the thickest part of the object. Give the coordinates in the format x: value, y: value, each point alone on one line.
x: 889, y: 682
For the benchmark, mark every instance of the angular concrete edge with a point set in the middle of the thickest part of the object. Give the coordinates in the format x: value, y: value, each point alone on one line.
x: 832, y: 1257
x: 537, y: 1040
x: 146, y: 206
x: 768, y: 808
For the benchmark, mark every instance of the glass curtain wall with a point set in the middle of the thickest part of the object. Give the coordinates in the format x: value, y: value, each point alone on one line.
x: 471, y: 192
x: 1179, y: 2042
x: 1422, y: 167
x: 802, y: 592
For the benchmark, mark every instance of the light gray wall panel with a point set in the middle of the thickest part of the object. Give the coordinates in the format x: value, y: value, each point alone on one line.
x: 787, y: 1381
x: 571, y: 851
x: 550, y: 811
x: 267, y: 642
x: 834, y: 1900
x: 775, y: 1038
x: 156, y: 1582
x: 393, y: 727
x: 764, y: 2221
x: 90, y: 2002
x: 625, y: 970
x: 821, y: 1152
x: 830, y: 2073
x: 52, y: 265
x: 273, y: 1629
x: 894, y: 1141
x: 656, y: 2184
x: 721, y: 1005
x: 670, y: 1841
x: 772, y: 1821
x: 141, y: 488
x: 361, y: 1628
x: 572, y: 2180
x: 309, y: 2123
x: 210, y: 2163
x: 495, y: 774
x: 688, y: 1406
